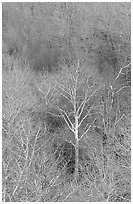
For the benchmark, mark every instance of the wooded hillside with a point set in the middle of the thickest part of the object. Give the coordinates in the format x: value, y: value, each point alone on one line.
x: 66, y: 102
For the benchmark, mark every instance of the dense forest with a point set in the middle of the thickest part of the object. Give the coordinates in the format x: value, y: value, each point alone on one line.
x: 66, y: 102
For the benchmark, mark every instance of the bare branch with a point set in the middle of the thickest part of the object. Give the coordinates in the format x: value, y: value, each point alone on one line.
x: 5, y: 130
x: 86, y: 130
x: 119, y: 119
x: 120, y: 72
x: 18, y: 183
x: 72, y: 128
x: 33, y: 151
x: 122, y: 88
x: 84, y: 103
x: 63, y: 94
x: 86, y: 115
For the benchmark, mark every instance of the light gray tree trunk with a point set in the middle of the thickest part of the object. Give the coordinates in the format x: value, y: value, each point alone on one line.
x: 76, y: 147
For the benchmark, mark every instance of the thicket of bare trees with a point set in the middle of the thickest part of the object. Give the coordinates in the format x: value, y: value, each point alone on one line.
x: 66, y: 111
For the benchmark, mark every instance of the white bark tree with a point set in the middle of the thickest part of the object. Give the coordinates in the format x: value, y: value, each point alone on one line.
x: 74, y: 93
x: 79, y: 95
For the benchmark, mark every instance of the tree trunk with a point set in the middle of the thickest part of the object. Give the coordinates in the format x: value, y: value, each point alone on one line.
x: 76, y: 148
x: 76, y: 158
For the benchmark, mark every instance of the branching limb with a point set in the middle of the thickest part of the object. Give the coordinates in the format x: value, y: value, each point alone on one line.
x: 85, y: 116
x: 67, y: 120
x: 121, y: 72
x: 64, y: 95
x: 18, y: 183
x: 86, y: 130
x: 33, y: 151
x: 82, y: 105
x: 119, y: 119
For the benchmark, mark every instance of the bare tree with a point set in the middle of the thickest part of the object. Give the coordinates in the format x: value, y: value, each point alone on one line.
x: 19, y: 138
x: 90, y: 95
x: 80, y: 94
x: 75, y: 93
